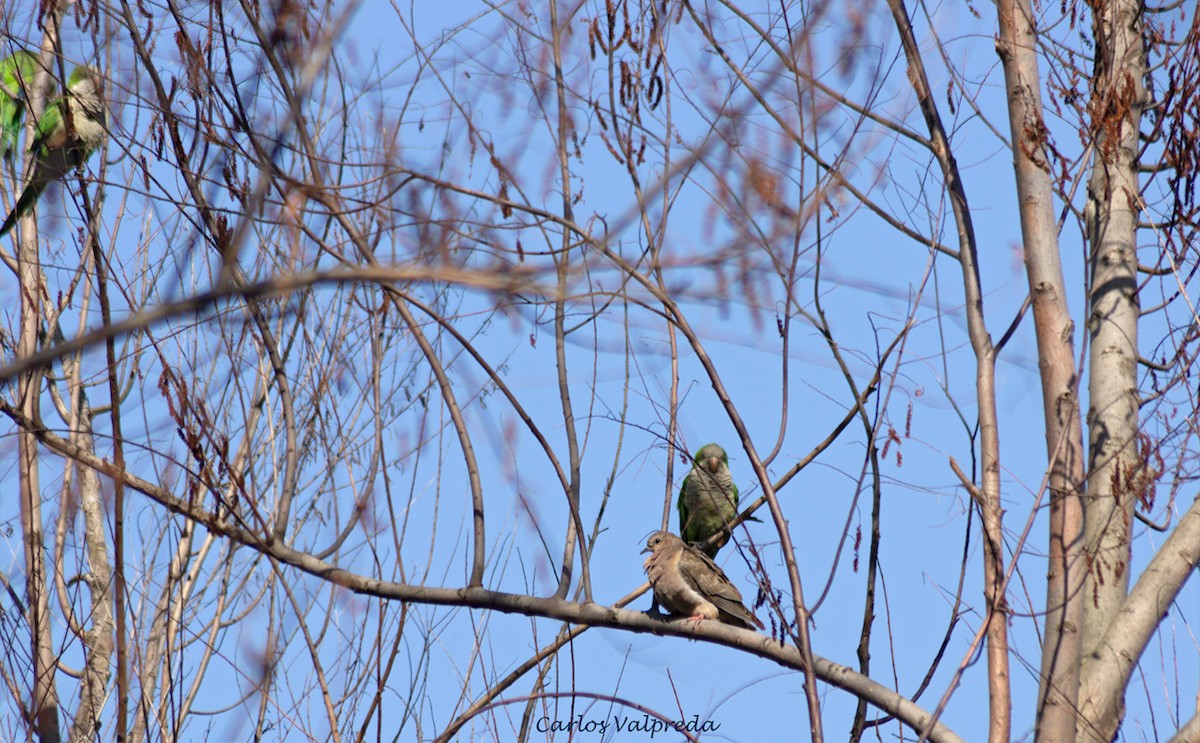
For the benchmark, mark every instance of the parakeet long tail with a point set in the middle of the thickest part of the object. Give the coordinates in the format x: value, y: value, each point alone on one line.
x: 28, y: 198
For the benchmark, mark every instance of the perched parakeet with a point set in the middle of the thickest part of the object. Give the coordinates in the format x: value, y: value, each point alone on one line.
x: 708, y: 499
x: 59, y: 146
x: 16, y: 76
x: 689, y: 583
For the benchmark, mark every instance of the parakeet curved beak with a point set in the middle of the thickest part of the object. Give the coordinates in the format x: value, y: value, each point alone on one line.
x: 713, y: 464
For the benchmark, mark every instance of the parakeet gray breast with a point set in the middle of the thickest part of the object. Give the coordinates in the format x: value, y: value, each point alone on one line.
x: 708, y: 498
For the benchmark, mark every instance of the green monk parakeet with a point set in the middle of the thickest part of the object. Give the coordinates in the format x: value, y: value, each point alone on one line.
x: 708, y: 499
x: 70, y: 130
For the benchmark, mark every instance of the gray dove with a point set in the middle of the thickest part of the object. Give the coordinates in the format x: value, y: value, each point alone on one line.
x: 689, y: 583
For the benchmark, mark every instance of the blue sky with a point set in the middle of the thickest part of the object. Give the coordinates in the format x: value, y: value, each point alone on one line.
x: 873, y: 281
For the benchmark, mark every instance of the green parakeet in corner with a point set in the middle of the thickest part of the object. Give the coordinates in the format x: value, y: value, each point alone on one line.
x: 60, y: 145
x: 16, y: 71
x: 708, y: 499
x: 16, y: 77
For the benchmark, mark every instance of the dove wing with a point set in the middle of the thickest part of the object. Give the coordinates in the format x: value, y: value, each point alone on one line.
x: 711, y: 582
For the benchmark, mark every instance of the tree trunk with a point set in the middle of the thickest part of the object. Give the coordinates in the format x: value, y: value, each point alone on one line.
x: 94, y: 689
x: 1059, y: 688
x: 1117, y: 475
x: 43, y: 704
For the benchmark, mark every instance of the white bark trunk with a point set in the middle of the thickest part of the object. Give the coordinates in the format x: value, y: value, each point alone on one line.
x: 1017, y: 47
x: 1116, y: 475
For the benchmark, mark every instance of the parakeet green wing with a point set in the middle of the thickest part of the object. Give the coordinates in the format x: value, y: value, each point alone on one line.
x: 17, y: 72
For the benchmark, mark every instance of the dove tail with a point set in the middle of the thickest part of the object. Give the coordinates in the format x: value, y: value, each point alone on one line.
x: 28, y: 198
